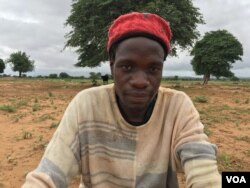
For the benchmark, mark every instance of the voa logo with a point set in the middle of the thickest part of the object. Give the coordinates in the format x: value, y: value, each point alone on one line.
x: 236, y: 179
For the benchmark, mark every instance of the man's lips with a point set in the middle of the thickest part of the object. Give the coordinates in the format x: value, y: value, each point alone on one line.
x: 138, y: 96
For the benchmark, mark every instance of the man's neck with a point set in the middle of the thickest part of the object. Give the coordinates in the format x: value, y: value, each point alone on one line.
x: 134, y: 116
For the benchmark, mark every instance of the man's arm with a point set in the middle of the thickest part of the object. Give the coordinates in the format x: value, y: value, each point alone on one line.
x: 200, y: 165
x: 38, y: 179
x: 194, y: 154
x: 61, y: 160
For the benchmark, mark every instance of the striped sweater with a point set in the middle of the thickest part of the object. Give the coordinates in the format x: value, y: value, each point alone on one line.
x: 94, y: 140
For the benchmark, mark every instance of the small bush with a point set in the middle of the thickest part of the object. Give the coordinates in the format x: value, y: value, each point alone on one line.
x: 54, y: 125
x: 36, y: 100
x: 45, y: 117
x: 243, y: 138
x: 36, y: 107
x: 246, y: 101
x: 7, y: 108
x: 50, y: 94
x: 224, y: 160
x: 21, y: 103
x: 26, y: 135
x: 200, y: 99
x: 237, y: 101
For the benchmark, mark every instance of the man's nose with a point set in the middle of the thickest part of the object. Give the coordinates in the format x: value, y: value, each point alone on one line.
x: 139, y: 80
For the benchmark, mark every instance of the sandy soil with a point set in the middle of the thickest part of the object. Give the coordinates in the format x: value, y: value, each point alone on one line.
x: 34, y: 108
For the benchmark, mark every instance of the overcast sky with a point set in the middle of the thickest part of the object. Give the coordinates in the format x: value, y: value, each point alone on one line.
x: 37, y: 28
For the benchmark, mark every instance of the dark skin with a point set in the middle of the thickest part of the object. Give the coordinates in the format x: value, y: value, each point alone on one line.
x: 137, y: 72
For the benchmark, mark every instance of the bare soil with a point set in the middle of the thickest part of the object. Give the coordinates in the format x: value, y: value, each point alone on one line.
x: 30, y: 110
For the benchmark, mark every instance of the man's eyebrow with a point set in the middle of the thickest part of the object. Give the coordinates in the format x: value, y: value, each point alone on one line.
x: 157, y: 63
x: 124, y: 60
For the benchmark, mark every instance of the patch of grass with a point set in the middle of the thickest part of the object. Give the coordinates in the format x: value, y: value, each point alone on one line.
x: 247, y: 152
x: 54, y: 125
x: 229, y: 163
x: 237, y: 101
x: 40, y: 138
x: 242, y: 110
x: 40, y: 144
x: 26, y: 135
x: 246, y: 101
x: 207, y: 131
x: 177, y: 85
x: 50, y: 94
x: 7, y: 108
x: 224, y: 160
x: 209, y: 119
x: 19, y: 116
x: 36, y: 107
x: 45, y: 117
x: 200, y: 99
x: 243, y: 138
x: 21, y: 103
x: 11, y: 160
x: 36, y: 100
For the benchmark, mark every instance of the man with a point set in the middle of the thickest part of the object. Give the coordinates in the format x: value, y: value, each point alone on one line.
x: 132, y: 133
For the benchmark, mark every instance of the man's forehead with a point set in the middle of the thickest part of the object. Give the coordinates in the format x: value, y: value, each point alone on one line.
x: 133, y: 42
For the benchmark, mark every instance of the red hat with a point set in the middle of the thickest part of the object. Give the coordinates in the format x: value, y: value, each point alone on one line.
x: 140, y: 24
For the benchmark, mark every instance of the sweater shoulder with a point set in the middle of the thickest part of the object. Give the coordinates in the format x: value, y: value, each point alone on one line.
x: 95, y: 93
x: 172, y: 92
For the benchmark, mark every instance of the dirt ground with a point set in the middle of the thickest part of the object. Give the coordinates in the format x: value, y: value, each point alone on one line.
x: 30, y: 110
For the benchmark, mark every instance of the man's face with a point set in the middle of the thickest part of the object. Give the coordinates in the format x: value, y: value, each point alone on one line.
x: 137, y: 72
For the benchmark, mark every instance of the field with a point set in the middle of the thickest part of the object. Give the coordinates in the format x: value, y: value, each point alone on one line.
x: 30, y: 110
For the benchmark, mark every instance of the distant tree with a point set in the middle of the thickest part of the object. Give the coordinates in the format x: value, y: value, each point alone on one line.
x: 176, y: 77
x: 94, y: 76
x: 20, y: 62
x: 90, y: 20
x: 64, y: 75
x: 2, y: 66
x: 53, y: 75
x: 215, y: 53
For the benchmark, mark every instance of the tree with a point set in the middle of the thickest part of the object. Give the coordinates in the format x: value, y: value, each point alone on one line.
x: 20, y: 62
x: 2, y: 66
x: 90, y: 20
x: 94, y: 77
x: 64, y: 75
x: 53, y: 75
x: 215, y: 53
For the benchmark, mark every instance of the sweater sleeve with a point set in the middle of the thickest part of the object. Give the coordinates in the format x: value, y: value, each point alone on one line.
x: 193, y: 153
x: 61, y: 160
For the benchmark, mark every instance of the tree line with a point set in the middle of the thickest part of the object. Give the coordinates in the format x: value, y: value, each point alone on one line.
x: 213, y: 54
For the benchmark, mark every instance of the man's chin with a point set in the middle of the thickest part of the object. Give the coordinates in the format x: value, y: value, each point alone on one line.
x: 137, y: 105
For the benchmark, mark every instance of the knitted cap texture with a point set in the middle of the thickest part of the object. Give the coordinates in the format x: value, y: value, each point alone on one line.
x: 139, y: 23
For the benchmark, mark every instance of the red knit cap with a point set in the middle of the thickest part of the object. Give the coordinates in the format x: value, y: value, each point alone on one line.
x: 137, y: 24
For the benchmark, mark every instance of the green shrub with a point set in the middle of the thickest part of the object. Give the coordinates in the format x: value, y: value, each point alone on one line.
x: 45, y: 117
x: 7, y: 108
x: 200, y: 99
x: 54, y: 125
x: 26, y: 135
x: 36, y: 107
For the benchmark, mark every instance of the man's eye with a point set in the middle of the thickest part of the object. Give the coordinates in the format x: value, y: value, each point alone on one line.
x: 154, y: 69
x: 127, y: 67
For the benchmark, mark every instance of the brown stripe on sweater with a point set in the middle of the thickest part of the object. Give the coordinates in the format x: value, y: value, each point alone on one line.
x: 102, y: 149
x: 110, y: 139
x: 108, y: 127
